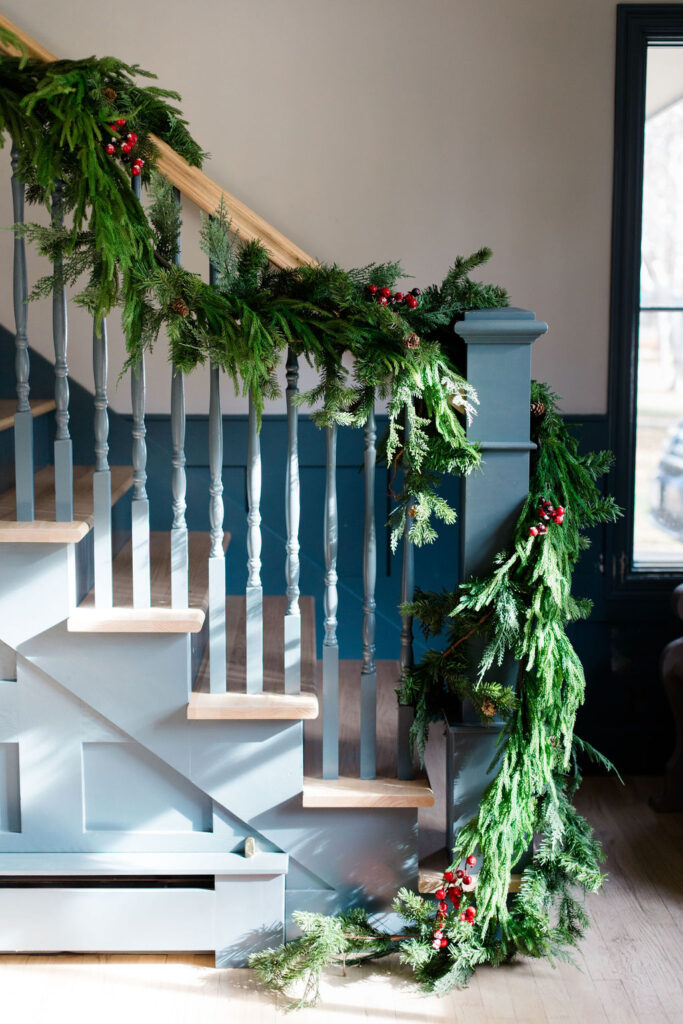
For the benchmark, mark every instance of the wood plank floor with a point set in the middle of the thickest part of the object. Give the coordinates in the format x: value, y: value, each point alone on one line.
x: 630, y: 965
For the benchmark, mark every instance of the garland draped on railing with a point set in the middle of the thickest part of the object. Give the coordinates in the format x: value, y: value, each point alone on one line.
x: 87, y: 124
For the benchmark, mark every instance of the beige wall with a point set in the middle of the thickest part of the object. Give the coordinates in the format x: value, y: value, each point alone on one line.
x: 381, y: 129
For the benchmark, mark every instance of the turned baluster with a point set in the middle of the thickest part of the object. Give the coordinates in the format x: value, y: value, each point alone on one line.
x: 292, y: 626
x: 254, y: 592
x: 102, y: 539
x: 330, y: 684
x: 179, y: 537
x: 368, y: 677
x: 23, y: 419
x: 64, y: 499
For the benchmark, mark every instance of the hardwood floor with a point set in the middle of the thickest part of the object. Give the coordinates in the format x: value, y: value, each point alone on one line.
x: 630, y: 965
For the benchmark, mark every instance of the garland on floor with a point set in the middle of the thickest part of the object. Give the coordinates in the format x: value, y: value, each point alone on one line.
x: 88, y: 125
x: 520, y: 609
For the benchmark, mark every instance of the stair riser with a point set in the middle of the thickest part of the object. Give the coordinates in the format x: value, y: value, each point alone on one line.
x: 37, y: 588
x: 41, y: 583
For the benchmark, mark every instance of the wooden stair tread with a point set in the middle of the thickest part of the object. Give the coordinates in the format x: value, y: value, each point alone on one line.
x: 161, y: 617
x: 354, y: 792
x: 8, y: 407
x: 44, y: 528
x: 274, y: 607
x: 199, y: 545
x: 246, y: 706
x: 135, y: 620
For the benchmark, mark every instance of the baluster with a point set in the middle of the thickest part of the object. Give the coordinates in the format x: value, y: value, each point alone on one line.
x: 217, y: 642
x: 292, y: 515
x: 142, y: 596
x: 102, y: 477
x: 368, y: 677
x: 405, y: 711
x: 64, y: 500
x: 179, y: 536
x: 330, y: 689
x: 254, y: 596
x: 23, y: 419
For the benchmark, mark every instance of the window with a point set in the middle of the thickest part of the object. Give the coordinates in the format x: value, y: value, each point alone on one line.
x: 646, y: 399
x: 658, y: 509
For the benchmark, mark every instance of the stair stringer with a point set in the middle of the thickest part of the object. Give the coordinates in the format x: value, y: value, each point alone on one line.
x: 252, y: 768
x: 62, y: 799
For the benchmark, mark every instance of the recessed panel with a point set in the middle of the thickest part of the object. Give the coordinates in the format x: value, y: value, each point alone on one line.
x: 127, y: 789
x: 10, y: 801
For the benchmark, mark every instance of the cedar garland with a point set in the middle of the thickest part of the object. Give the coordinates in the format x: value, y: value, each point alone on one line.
x: 61, y: 115
x: 520, y: 609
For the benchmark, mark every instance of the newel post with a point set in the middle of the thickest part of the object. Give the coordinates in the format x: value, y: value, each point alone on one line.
x: 499, y: 368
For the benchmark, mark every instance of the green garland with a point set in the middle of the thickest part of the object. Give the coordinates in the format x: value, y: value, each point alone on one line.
x: 60, y: 117
x: 520, y: 610
x: 249, y: 314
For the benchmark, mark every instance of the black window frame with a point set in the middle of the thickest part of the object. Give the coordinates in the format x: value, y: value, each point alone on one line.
x: 638, y: 26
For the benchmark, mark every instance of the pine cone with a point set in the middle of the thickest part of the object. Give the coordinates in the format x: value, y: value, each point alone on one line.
x: 412, y: 511
x: 537, y: 410
x: 412, y: 341
x: 488, y: 708
x: 110, y: 94
x: 180, y: 307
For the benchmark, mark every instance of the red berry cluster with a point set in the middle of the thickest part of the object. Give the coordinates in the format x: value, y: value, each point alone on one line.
x: 384, y: 297
x: 123, y: 146
x: 451, y: 890
x: 546, y: 514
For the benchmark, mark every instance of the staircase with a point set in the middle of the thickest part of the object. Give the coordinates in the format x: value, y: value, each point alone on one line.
x: 182, y: 767
x: 132, y: 792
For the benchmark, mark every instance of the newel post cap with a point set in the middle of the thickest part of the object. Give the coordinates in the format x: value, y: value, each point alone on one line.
x: 507, y: 325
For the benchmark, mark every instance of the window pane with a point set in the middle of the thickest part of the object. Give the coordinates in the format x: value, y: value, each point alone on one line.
x: 661, y: 278
x: 658, y: 529
x: 658, y: 498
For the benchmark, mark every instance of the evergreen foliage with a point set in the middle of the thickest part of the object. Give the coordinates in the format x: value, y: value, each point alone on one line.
x: 59, y: 114
x: 519, y: 611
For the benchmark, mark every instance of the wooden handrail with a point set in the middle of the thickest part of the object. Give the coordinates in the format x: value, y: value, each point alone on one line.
x: 195, y: 184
